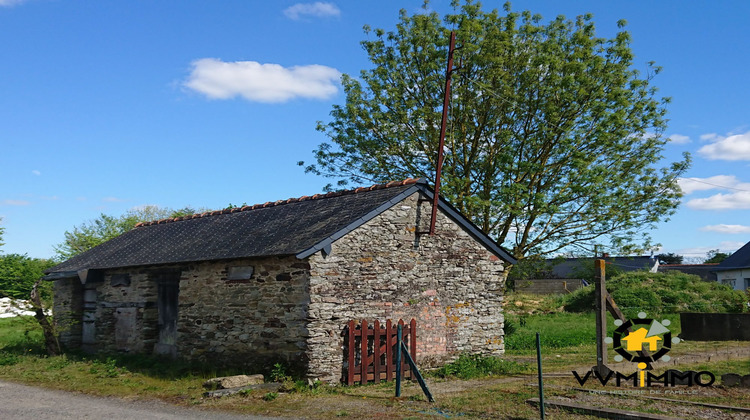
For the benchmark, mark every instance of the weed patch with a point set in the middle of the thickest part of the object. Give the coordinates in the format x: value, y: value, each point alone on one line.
x: 477, y: 366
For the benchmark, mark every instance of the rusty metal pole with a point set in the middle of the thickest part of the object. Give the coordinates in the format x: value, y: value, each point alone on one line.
x: 600, y: 294
x: 446, y: 103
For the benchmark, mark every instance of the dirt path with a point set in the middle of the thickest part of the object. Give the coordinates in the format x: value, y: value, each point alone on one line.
x: 25, y: 402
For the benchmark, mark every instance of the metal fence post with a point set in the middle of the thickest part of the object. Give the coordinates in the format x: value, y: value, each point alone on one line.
x: 399, y: 332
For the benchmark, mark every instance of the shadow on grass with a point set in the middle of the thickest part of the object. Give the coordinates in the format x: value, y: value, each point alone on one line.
x: 21, y: 339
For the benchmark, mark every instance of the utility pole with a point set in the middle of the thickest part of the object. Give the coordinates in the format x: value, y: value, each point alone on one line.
x: 446, y: 103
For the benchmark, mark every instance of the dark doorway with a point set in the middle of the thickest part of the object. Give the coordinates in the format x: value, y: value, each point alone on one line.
x: 167, y: 300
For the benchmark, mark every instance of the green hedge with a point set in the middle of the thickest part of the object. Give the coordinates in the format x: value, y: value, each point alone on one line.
x: 656, y: 293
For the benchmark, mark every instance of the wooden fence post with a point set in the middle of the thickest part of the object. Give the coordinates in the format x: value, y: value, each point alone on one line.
x: 351, y: 349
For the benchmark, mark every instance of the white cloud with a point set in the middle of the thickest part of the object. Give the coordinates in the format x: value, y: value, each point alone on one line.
x: 15, y: 203
x: 679, y: 139
x: 709, y: 136
x: 690, y: 185
x: 9, y: 3
x: 700, y: 252
x: 258, y: 82
x: 731, y: 229
x: 733, y: 147
x: 35, y: 172
x: 739, y: 200
x: 317, y: 9
x: 113, y: 199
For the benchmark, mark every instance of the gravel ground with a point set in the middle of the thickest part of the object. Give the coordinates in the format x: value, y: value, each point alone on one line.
x: 682, y: 410
x: 25, y: 402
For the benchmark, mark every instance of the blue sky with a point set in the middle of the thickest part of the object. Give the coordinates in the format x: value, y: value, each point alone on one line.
x: 107, y: 106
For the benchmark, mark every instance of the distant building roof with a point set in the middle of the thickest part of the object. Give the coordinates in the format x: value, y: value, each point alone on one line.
x: 297, y: 226
x: 704, y: 271
x: 570, y: 268
x: 740, y: 259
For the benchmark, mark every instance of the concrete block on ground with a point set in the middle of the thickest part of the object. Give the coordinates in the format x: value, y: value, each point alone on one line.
x: 237, y: 381
x: 730, y: 379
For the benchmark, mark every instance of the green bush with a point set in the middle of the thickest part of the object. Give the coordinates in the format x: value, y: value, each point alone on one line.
x: 470, y: 366
x: 657, y: 293
x: 8, y: 359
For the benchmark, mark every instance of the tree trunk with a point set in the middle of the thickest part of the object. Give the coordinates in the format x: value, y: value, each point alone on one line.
x: 50, y: 337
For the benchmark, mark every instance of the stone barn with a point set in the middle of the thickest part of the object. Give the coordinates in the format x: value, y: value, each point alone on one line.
x: 279, y: 281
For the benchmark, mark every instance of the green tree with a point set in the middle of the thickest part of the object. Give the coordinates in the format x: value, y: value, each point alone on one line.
x: 106, y: 227
x: 553, y: 139
x: 18, y: 274
x: 670, y: 258
x: 714, y: 256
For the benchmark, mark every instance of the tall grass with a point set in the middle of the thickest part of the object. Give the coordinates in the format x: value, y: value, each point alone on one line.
x: 20, y: 335
x: 562, y: 330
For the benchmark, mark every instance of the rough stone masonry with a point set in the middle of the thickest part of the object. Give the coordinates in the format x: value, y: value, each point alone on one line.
x: 295, y: 310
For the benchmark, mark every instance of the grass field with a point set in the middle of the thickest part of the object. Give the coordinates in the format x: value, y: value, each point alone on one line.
x: 499, y: 388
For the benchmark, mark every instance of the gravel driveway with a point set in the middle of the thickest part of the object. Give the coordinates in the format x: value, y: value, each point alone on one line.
x: 25, y: 402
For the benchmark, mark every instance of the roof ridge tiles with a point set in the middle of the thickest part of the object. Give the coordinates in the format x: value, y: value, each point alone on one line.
x: 407, y: 181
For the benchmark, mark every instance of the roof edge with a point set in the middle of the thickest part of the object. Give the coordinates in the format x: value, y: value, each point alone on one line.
x: 407, y: 181
x: 325, y: 243
x: 448, y: 209
x: 470, y: 227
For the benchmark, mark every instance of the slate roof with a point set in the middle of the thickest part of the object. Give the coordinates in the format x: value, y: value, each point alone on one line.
x: 297, y: 226
x: 704, y: 271
x: 740, y: 259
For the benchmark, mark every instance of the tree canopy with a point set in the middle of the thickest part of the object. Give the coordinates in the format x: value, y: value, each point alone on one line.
x: 94, y: 232
x: 670, y: 258
x: 18, y: 274
x: 714, y: 256
x: 553, y: 141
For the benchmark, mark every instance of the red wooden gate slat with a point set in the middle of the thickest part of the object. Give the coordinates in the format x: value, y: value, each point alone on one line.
x: 350, y: 368
x: 364, y: 362
x: 389, y: 349
x: 372, y: 367
x: 376, y: 351
x: 413, y: 339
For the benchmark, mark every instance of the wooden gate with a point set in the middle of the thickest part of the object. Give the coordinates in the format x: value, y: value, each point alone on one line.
x: 371, y: 351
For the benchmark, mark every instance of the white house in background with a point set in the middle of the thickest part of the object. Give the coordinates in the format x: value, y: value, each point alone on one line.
x: 735, y: 270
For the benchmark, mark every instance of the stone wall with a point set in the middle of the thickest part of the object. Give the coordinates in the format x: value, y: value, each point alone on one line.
x: 244, y: 322
x: 68, y: 309
x: 120, y: 312
x: 260, y: 320
x: 390, y: 268
x: 548, y: 286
